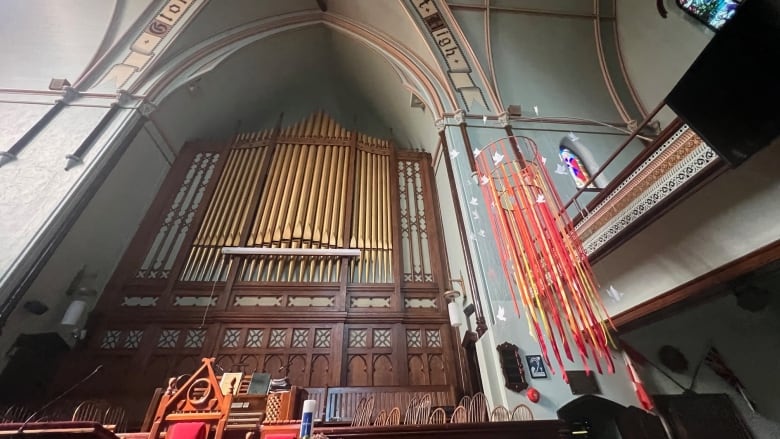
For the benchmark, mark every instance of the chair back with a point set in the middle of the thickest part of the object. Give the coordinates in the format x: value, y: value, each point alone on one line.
x: 381, y: 418
x: 500, y: 414
x: 423, y: 410
x: 521, y: 412
x: 439, y: 416
x: 478, y: 408
x: 460, y: 415
x: 394, y: 417
x: 116, y: 416
x: 90, y: 411
x: 411, y: 411
x: 16, y: 413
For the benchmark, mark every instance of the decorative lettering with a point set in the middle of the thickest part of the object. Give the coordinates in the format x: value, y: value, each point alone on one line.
x: 458, y: 67
x: 142, y: 49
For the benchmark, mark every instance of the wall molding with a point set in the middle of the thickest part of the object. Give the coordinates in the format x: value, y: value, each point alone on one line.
x: 696, y: 290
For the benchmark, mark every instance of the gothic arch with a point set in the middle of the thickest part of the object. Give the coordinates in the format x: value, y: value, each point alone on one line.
x: 158, y: 82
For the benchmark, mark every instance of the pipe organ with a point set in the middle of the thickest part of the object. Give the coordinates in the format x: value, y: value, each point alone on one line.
x: 373, y: 320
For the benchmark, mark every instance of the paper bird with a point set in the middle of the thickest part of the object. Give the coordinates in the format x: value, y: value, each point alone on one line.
x: 454, y: 153
x: 497, y: 158
x: 484, y: 180
x: 540, y: 198
x: 614, y: 294
x: 474, y: 214
x: 477, y: 152
x: 544, y: 160
x: 474, y: 201
x: 500, y: 314
x: 561, y: 169
x: 484, y: 120
x: 536, y: 110
x: 481, y: 233
x: 572, y: 137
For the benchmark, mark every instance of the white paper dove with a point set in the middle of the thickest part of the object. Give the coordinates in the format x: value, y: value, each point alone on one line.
x: 500, y: 314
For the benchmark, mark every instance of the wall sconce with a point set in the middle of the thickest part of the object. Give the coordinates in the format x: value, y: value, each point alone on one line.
x: 82, y: 296
x: 453, y: 308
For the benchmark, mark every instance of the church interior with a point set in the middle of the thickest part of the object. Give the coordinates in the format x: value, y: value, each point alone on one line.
x: 389, y: 218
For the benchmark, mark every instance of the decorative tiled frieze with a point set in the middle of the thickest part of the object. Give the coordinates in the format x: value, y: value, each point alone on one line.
x: 258, y: 301
x: 419, y: 303
x: 168, y: 338
x: 140, y: 301
x: 303, y: 301
x: 382, y: 338
x: 195, y: 338
x: 369, y: 302
x: 110, y: 339
x: 133, y: 339
x: 230, y: 340
x: 194, y: 301
x: 322, y: 338
x: 679, y: 159
x: 254, y: 338
x: 300, y: 338
x: 357, y: 338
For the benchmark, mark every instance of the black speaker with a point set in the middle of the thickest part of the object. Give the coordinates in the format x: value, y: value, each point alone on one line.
x: 730, y: 95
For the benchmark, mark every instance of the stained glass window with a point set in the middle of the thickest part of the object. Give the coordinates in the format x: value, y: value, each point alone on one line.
x: 576, y: 168
x: 713, y: 13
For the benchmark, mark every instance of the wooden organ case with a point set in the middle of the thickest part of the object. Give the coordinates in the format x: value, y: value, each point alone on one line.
x: 373, y: 320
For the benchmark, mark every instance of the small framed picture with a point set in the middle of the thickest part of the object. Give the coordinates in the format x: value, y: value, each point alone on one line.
x: 536, y: 366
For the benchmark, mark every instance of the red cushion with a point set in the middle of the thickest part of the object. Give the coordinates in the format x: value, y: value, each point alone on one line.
x: 187, y: 430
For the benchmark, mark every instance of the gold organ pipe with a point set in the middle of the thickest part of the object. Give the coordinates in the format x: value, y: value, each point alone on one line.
x: 372, y: 217
x: 212, y: 217
x: 285, y: 155
x: 335, y: 209
x: 266, y: 203
x: 343, y: 189
x: 385, y: 217
x: 223, y: 223
x: 271, y: 199
x: 326, y: 226
x: 284, y: 200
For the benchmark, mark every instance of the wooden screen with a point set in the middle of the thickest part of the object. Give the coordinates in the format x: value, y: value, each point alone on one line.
x: 373, y: 320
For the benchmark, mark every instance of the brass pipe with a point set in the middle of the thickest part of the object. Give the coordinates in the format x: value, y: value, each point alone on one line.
x: 372, y: 217
x: 292, y: 200
x: 284, y: 205
x: 326, y: 222
x: 268, y: 200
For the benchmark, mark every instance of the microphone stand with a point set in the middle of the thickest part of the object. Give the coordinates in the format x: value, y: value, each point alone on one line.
x: 59, y: 397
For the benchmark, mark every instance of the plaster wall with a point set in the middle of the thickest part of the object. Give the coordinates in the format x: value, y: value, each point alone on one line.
x: 657, y: 51
x: 58, y: 39
x: 731, y: 217
x: 36, y: 186
x: 748, y: 342
x: 96, y: 241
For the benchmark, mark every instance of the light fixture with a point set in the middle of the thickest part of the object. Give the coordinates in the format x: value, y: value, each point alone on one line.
x: 290, y: 251
x: 78, y: 305
x: 453, y: 308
